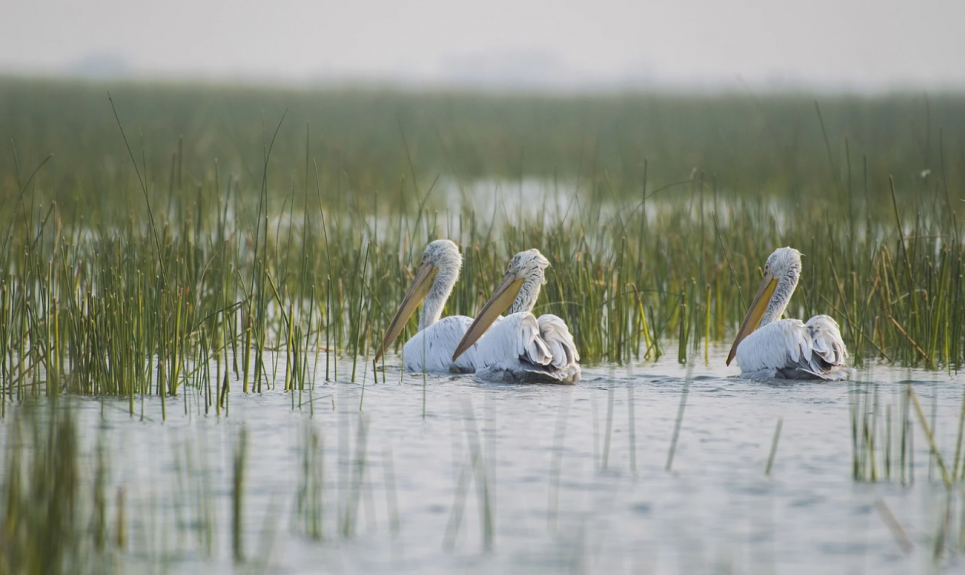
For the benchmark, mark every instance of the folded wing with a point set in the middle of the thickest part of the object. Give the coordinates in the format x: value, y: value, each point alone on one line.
x: 522, y: 348
x: 431, y: 349
x: 558, y: 339
x: 791, y: 349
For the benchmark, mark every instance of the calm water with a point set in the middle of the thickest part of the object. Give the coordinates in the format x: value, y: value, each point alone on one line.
x: 567, y: 479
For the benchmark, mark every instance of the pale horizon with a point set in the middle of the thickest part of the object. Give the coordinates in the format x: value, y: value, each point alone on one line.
x: 851, y: 45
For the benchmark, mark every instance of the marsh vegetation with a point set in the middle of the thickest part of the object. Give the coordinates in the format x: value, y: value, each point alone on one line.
x: 173, y: 249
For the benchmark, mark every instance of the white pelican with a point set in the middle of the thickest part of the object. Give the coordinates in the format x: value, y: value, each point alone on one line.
x: 769, y: 347
x: 519, y: 347
x: 431, y: 349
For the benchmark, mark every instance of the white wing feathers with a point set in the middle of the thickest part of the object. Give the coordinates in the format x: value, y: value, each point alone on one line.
x: 511, y: 337
x: 431, y: 349
x: 827, y: 347
x: 521, y: 348
x: 791, y: 349
x: 557, y: 336
x: 772, y: 346
x: 531, y: 346
x: 516, y: 348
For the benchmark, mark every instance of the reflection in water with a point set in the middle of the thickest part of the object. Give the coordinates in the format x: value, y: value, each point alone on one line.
x: 504, y: 478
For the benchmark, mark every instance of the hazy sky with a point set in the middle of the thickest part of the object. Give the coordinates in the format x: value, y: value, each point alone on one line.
x: 861, y: 44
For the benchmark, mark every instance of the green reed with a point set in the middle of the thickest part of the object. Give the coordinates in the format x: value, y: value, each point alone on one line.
x: 184, y: 259
x: 882, y: 437
x: 54, y: 518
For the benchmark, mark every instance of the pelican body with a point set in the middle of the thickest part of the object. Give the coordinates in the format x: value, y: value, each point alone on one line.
x: 767, y: 347
x: 432, y: 347
x: 520, y: 348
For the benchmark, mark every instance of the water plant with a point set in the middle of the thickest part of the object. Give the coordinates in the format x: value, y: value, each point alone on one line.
x: 179, y: 241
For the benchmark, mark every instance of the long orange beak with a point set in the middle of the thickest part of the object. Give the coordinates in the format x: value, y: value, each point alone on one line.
x: 421, y: 284
x: 755, y: 313
x: 502, y: 298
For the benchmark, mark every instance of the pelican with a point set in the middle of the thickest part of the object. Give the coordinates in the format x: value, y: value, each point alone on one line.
x: 769, y: 347
x: 521, y: 348
x: 431, y: 349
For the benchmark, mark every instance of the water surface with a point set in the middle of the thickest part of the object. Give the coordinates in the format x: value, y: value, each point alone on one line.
x: 443, y: 473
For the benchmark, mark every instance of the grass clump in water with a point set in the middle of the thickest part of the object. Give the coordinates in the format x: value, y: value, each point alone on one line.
x: 268, y: 245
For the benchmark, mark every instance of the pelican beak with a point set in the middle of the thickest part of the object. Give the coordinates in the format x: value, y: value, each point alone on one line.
x: 421, y: 284
x: 755, y: 313
x: 502, y: 298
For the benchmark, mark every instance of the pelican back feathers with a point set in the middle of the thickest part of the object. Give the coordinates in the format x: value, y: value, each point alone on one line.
x: 791, y: 349
x: 520, y: 348
x: 430, y: 350
x: 557, y: 336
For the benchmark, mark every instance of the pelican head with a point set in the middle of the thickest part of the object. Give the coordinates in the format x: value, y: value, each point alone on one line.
x: 435, y: 277
x: 781, y: 272
x: 519, y: 289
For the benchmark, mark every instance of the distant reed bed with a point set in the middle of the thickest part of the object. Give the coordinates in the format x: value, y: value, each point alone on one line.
x: 173, y: 245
